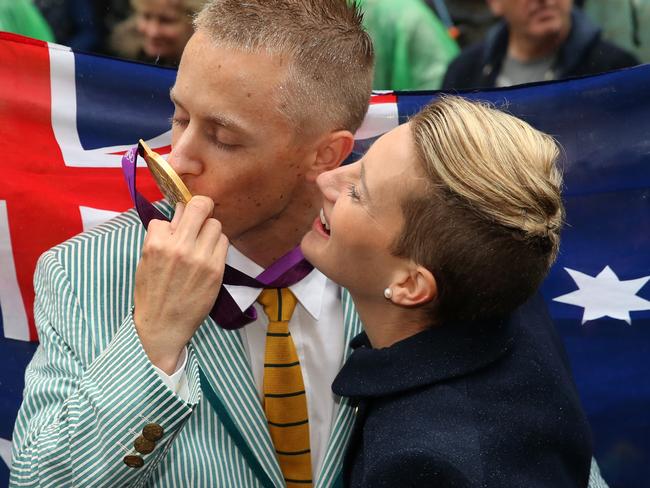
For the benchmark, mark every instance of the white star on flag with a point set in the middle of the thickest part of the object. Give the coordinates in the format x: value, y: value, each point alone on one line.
x: 605, y: 295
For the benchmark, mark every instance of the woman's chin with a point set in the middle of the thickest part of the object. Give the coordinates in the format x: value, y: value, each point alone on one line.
x: 313, y: 248
x: 309, y: 246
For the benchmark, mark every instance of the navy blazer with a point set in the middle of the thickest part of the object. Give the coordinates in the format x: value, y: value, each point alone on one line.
x: 483, y: 404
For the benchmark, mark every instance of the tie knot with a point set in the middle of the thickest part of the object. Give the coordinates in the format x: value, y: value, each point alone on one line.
x: 278, y: 303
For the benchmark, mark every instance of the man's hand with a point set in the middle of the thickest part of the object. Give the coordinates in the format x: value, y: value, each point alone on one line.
x: 178, y: 280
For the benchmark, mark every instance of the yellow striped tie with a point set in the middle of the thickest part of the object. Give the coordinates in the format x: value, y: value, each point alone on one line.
x: 285, y: 403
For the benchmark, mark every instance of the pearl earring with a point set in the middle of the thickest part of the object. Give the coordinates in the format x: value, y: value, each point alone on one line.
x: 388, y: 293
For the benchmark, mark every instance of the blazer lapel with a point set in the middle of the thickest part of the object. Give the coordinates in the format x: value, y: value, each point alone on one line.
x: 342, y: 427
x: 222, y: 359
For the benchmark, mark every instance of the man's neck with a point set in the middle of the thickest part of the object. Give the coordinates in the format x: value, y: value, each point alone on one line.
x: 268, y: 242
x: 525, y: 49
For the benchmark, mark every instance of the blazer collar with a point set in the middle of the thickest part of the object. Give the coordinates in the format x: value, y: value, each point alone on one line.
x: 431, y: 356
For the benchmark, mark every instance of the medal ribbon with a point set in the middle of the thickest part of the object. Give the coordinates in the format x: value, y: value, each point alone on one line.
x: 289, y: 269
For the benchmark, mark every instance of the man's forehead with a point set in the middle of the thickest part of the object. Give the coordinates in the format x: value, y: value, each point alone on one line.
x: 207, y: 65
x: 218, y: 80
x: 228, y: 119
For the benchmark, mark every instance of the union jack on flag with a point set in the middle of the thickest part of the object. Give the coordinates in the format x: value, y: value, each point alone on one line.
x: 66, y: 118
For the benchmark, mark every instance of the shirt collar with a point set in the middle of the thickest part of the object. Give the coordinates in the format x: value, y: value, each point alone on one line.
x: 309, y: 291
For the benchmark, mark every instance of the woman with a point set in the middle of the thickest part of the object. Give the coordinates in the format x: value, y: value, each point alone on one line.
x: 157, y: 32
x: 442, y: 233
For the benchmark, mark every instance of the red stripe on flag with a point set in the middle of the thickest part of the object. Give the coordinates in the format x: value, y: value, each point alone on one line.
x: 27, y: 142
x: 10, y: 36
x: 42, y: 194
x: 384, y: 98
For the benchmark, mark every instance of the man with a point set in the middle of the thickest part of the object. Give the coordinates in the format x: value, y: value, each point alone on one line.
x: 268, y: 96
x: 537, y: 40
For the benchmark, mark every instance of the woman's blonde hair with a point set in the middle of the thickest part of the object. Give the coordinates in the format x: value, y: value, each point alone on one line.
x: 489, y: 224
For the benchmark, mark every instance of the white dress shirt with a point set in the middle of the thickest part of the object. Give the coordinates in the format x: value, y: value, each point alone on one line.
x: 317, y: 331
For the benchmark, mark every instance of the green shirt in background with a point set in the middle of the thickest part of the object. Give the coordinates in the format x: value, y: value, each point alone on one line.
x: 22, y: 17
x: 626, y: 23
x: 412, y: 46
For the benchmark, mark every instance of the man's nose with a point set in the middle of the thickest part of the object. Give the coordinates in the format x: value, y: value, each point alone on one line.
x: 185, y: 156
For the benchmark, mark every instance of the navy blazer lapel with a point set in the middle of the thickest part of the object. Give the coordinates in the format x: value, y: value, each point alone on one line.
x: 223, y: 361
x: 342, y: 427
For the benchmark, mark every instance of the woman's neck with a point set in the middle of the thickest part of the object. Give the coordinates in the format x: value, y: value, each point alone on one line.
x: 386, y: 323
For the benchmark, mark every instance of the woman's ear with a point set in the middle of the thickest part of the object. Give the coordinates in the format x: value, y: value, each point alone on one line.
x: 331, y: 152
x: 414, y: 288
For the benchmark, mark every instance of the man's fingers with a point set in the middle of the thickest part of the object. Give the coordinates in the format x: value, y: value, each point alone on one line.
x: 208, y: 236
x: 178, y: 215
x: 194, y: 216
x: 221, y: 249
x: 219, y: 255
x: 156, y: 229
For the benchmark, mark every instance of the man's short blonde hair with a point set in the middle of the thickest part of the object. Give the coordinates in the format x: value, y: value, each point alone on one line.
x: 488, y: 227
x: 330, y: 54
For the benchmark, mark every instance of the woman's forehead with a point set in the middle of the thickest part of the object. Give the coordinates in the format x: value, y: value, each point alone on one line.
x: 391, y: 164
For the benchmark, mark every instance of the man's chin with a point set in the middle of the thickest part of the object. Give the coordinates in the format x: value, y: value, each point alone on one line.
x: 548, y: 31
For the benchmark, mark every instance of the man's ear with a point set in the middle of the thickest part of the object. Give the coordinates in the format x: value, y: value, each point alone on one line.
x: 415, y: 287
x: 495, y: 7
x: 331, y: 152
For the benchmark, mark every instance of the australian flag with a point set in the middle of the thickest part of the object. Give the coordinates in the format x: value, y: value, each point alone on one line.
x: 66, y: 118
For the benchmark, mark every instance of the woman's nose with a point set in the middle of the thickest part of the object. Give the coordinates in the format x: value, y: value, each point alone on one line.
x: 329, y: 184
x: 150, y: 28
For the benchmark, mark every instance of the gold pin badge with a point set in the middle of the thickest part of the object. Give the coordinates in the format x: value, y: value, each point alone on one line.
x: 168, y: 181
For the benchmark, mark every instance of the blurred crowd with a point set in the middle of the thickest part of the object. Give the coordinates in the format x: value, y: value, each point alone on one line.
x: 420, y: 44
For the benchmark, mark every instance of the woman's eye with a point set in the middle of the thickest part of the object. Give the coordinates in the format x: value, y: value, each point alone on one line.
x: 354, y: 194
x: 168, y: 20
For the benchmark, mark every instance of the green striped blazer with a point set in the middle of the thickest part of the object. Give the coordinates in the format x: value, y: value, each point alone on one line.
x: 90, y: 387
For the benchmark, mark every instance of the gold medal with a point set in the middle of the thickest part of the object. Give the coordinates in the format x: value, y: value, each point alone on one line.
x: 168, y: 181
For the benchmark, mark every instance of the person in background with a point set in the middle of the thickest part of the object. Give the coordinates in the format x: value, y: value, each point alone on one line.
x: 536, y: 40
x: 74, y: 23
x: 157, y: 32
x: 624, y: 22
x: 412, y: 47
x: 22, y: 17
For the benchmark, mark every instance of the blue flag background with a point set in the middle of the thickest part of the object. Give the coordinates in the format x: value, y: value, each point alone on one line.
x: 601, y: 275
